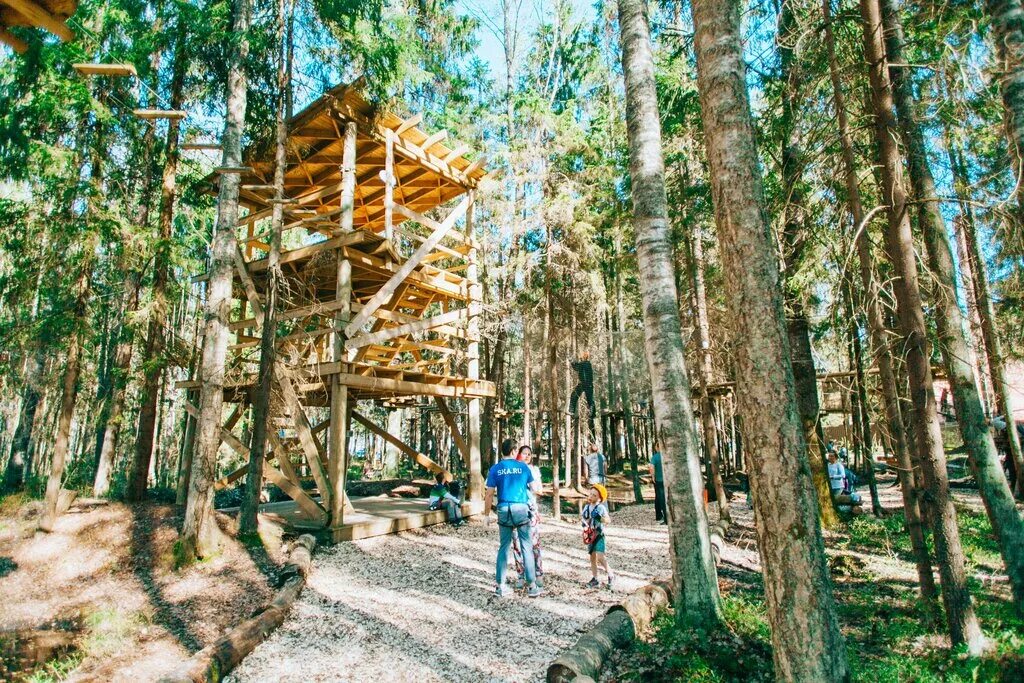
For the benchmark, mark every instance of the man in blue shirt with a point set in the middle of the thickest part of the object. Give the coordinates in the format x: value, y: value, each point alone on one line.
x: 509, y: 481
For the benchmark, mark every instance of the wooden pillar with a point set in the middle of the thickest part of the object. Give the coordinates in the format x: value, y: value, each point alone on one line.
x: 337, y: 448
x: 389, y: 185
x: 476, y: 483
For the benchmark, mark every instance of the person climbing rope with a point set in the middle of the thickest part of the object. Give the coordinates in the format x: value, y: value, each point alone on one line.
x: 509, y: 480
x: 585, y: 387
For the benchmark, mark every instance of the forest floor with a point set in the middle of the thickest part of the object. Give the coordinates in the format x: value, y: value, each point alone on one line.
x: 875, y: 586
x: 99, y: 598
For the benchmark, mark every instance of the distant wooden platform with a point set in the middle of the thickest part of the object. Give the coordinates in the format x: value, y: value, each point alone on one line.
x: 373, y: 516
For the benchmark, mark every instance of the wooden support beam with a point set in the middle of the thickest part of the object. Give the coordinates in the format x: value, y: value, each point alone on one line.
x: 433, y: 140
x: 201, y: 146
x: 403, y: 330
x: 456, y: 153
x: 481, y: 160
x: 420, y: 459
x: 225, y: 433
x: 410, y: 122
x: 453, y: 427
x: 389, y: 185
x: 41, y: 17
x: 13, y: 41
x: 151, y: 114
x: 398, y: 386
x: 385, y: 292
x: 302, y: 499
x: 476, y: 483
x: 311, y: 448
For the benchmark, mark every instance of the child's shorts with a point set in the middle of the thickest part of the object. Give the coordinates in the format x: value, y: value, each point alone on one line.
x: 597, y: 546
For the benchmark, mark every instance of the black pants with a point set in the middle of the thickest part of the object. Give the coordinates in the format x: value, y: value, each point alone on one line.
x: 660, y: 513
x: 586, y: 390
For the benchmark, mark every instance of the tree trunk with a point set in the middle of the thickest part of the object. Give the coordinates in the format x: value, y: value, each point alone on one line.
x: 119, y: 382
x: 974, y: 426
x: 707, y: 410
x: 987, y: 314
x: 19, y: 464
x: 1008, y: 33
x: 247, y: 514
x: 863, y: 413
x: 69, y: 387
x: 899, y: 240
x: 909, y: 487
x: 798, y: 328
x: 695, y: 581
x: 200, y: 534
x: 625, y: 396
x: 154, y: 361
x: 805, y: 632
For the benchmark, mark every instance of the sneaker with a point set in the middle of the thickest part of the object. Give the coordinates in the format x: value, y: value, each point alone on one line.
x: 609, y: 584
x: 519, y: 583
x: 499, y: 592
x: 535, y: 591
x: 593, y: 583
x: 539, y: 582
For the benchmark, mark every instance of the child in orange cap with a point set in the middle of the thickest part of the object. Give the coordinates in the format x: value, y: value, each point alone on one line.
x: 594, y: 518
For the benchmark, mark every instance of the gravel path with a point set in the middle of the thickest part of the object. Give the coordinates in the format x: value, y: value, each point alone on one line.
x: 418, y: 606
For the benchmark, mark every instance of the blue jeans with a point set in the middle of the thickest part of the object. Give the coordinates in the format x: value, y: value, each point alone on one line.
x: 514, y: 518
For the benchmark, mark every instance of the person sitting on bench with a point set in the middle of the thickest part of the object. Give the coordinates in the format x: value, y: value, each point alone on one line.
x: 441, y: 497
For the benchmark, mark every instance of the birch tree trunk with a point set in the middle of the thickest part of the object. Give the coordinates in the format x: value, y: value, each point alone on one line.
x: 908, y: 476
x: 200, y: 535
x: 806, y: 640
x: 247, y: 518
x: 899, y: 241
x: 695, y: 581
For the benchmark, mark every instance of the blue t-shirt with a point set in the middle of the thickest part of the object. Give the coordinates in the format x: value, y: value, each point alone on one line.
x: 656, y: 463
x: 512, y: 479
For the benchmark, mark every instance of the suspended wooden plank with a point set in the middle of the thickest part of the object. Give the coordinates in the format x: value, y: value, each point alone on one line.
x: 201, y: 146
x: 151, y: 114
x: 258, y: 188
x: 38, y: 15
x: 95, y: 69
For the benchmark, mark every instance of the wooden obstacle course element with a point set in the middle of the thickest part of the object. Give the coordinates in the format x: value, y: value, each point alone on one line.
x: 216, y: 660
x: 97, y: 69
x: 49, y: 15
x: 620, y: 626
x: 192, y: 146
x: 419, y: 458
x: 154, y: 114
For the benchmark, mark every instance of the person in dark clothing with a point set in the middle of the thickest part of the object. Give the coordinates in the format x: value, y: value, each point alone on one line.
x: 657, y: 473
x: 584, y: 386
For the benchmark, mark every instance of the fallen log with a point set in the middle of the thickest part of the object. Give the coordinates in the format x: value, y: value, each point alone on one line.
x: 214, y: 661
x: 621, y: 624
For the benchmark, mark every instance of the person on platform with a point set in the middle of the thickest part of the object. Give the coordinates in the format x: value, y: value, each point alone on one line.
x: 509, y: 482
x: 584, y: 387
x: 442, y: 498
x: 595, y: 467
x: 658, y: 475
x: 525, y: 456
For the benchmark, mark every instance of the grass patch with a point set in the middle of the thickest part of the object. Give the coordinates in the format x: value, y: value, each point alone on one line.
x: 109, y: 629
x: 56, y: 670
x: 887, y: 638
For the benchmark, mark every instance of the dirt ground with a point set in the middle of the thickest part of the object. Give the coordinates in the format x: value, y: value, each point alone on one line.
x: 107, y: 572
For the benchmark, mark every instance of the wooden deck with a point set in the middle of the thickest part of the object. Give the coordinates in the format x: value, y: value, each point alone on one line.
x: 373, y: 516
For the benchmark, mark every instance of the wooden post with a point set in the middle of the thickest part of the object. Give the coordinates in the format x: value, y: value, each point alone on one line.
x: 473, y: 364
x: 389, y: 184
x: 337, y: 449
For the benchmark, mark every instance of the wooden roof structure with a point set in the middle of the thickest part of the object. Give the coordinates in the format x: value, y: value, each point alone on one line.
x: 50, y: 15
x: 429, y: 169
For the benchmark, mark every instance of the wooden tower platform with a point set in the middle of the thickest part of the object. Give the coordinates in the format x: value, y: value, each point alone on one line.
x: 380, y: 297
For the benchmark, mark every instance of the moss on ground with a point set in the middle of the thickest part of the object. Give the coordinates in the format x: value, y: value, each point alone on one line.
x: 887, y: 638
